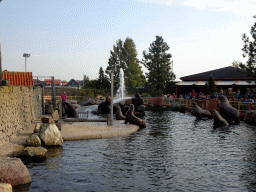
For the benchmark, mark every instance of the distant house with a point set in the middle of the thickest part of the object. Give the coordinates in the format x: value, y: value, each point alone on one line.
x: 81, y: 82
x: 38, y: 82
x: 72, y: 83
x: 48, y: 82
x: 18, y: 78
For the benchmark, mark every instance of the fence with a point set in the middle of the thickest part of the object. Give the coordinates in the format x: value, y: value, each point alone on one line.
x: 204, y: 104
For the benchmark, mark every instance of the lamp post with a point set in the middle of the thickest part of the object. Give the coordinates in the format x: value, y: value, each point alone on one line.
x: 26, y: 55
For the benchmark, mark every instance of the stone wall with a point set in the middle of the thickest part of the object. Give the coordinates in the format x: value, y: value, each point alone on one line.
x: 19, y: 106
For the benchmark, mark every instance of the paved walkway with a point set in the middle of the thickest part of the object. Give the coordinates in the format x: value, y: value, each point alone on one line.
x: 73, y: 131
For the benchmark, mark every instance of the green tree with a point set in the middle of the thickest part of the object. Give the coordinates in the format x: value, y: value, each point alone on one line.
x: 124, y: 55
x: 249, y: 50
x: 103, y: 81
x: 115, y: 62
x: 132, y: 72
x: 210, y: 85
x: 158, y: 63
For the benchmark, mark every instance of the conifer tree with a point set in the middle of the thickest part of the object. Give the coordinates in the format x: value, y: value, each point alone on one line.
x: 249, y: 50
x: 210, y: 85
x: 158, y: 63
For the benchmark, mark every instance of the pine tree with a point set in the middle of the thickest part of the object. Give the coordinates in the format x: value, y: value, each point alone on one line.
x: 133, y: 73
x: 210, y: 85
x: 249, y: 50
x: 103, y: 81
x: 158, y: 63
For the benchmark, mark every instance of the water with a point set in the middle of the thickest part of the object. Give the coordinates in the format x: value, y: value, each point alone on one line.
x: 121, y: 90
x: 174, y: 153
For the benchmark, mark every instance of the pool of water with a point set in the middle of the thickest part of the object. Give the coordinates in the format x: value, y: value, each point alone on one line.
x: 174, y: 153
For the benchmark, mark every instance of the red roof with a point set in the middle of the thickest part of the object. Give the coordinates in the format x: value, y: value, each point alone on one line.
x: 18, y: 78
x: 64, y: 83
x: 49, y: 81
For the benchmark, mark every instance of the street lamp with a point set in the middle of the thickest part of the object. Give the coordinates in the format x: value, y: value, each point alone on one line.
x: 26, y: 55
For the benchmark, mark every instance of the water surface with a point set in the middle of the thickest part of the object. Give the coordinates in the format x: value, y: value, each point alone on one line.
x: 174, y: 153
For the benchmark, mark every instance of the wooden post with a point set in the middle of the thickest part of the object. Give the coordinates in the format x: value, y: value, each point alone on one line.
x: 53, y: 94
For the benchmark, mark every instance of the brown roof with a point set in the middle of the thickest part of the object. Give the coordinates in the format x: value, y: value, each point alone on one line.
x: 18, y: 78
x: 49, y: 81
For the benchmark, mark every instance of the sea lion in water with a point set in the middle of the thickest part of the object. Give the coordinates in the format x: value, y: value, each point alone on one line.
x: 219, y: 121
x: 228, y: 112
x: 132, y: 119
x: 200, y: 113
x: 119, y: 114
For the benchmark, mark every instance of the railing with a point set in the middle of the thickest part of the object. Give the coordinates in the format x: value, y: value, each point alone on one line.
x: 71, y: 98
x: 239, y: 105
x: 83, y: 114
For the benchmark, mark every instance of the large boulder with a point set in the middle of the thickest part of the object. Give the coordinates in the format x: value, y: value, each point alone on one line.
x: 50, y: 135
x: 55, y: 116
x: 33, y: 140
x: 250, y: 117
x: 37, y: 127
x: 13, y: 171
x: 5, y: 187
x: 31, y: 154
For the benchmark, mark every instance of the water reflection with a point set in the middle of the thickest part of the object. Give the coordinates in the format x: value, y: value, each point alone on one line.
x: 174, y: 153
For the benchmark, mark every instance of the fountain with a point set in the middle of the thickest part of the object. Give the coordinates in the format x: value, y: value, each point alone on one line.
x: 121, y: 90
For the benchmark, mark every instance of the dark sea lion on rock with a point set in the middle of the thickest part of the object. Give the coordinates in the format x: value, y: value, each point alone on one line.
x: 219, y: 121
x: 70, y: 110
x: 119, y: 114
x: 132, y: 119
x: 200, y: 113
x: 228, y: 112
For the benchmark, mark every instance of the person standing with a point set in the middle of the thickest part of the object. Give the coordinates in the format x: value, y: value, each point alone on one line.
x: 63, y: 97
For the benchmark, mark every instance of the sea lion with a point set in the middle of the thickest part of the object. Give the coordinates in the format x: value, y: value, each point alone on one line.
x: 228, y: 112
x: 219, y: 121
x: 70, y: 110
x: 200, y: 113
x: 132, y: 119
x: 119, y: 114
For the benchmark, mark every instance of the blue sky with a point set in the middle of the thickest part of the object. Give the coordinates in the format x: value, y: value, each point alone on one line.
x: 70, y: 38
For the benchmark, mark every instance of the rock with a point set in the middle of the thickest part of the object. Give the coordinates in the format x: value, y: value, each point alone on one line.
x: 72, y: 101
x: 37, y: 127
x: 76, y: 106
x: 33, y: 140
x: 250, y: 117
x: 150, y: 105
x: 13, y: 171
x: 31, y: 154
x: 50, y: 135
x: 55, y: 116
x: 45, y: 119
x: 5, y: 187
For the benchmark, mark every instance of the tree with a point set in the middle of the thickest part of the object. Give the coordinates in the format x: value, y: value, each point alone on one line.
x: 210, y: 85
x: 115, y: 62
x: 103, y: 81
x: 249, y: 50
x: 124, y: 55
x: 158, y: 63
x: 132, y: 72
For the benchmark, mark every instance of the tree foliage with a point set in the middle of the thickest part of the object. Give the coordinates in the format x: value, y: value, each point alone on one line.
x: 210, y: 85
x: 158, y: 63
x: 249, y: 50
x: 124, y: 55
x: 103, y: 81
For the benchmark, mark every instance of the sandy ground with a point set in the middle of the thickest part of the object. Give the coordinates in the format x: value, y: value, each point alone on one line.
x: 72, y: 131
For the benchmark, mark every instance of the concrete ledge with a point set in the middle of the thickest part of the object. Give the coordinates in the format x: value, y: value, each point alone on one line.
x: 95, y: 130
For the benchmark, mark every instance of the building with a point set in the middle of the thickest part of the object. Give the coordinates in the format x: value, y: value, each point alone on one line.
x: 227, y: 79
x: 18, y: 78
x: 48, y: 82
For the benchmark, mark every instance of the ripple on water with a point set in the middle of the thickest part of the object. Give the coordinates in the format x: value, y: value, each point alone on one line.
x: 174, y: 153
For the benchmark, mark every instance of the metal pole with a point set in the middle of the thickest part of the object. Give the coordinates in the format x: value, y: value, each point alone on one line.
x: 25, y: 64
x: 112, y: 97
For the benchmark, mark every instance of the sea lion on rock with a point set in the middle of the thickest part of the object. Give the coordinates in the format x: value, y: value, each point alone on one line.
x: 70, y: 110
x: 219, y: 121
x: 228, y: 112
x: 132, y: 119
x: 119, y: 114
x: 200, y: 113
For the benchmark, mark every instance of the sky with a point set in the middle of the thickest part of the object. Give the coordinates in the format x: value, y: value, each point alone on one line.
x: 71, y: 38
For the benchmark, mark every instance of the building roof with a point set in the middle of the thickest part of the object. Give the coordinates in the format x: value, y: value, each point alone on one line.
x: 49, y: 81
x: 72, y: 82
x: 226, y: 73
x: 18, y: 78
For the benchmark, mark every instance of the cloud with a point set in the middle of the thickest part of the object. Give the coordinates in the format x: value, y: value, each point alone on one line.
x: 159, y: 2
x: 235, y: 6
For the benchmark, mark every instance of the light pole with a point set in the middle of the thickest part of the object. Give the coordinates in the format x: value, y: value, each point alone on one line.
x: 26, y: 55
